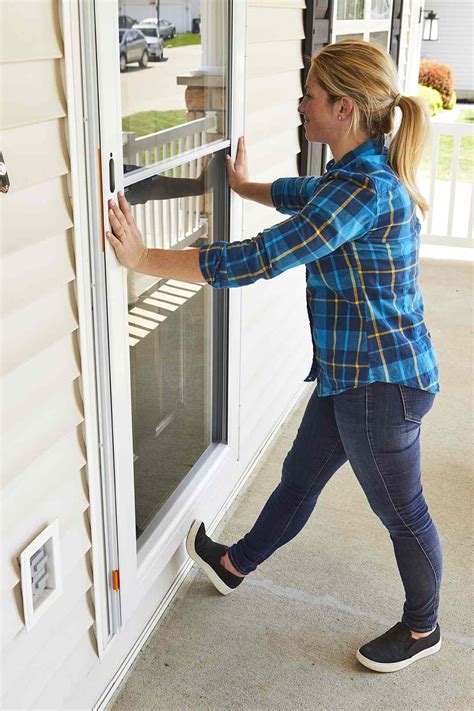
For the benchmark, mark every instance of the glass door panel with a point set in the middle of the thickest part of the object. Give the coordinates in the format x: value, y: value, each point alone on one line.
x: 381, y: 9
x: 170, y: 327
x: 174, y: 132
x: 350, y: 9
x: 164, y: 86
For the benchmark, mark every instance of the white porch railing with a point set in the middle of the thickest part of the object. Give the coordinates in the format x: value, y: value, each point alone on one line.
x: 173, y: 223
x: 450, y: 221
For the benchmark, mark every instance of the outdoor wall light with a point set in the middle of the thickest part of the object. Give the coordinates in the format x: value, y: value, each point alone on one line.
x: 430, y: 28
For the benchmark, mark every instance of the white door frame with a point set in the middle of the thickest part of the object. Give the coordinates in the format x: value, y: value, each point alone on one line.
x: 137, y: 573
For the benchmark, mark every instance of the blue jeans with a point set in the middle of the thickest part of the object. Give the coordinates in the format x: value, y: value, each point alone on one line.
x: 377, y: 428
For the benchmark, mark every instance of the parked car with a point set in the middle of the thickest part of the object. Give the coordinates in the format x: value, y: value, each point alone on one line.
x: 167, y: 29
x: 133, y: 48
x: 154, y: 41
x: 125, y: 21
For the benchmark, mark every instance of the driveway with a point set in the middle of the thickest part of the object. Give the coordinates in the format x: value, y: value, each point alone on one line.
x: 155, y: 87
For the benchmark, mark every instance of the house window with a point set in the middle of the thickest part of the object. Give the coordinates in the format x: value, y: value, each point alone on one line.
x: 350, y: 9
x: 362, y: 19
x: 174, y: 135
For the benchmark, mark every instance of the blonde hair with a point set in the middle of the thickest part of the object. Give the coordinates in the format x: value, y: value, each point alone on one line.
x: 367, y: 74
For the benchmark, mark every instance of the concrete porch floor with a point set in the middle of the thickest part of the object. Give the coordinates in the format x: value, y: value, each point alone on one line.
x: 286, y: 638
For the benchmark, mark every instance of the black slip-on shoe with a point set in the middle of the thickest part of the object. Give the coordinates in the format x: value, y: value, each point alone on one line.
x: 207, y: 554
x: 396, y: 649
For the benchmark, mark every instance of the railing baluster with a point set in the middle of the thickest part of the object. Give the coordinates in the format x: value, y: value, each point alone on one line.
x: 144, y: 228
x: 152, y: 211
x: 200, y: 199
x: 189, y: 200
x: 470, y: 233
x: 169, y: 229
x: 434, y: 172
x: 183, y: 200
x: 161, y: 222
x: 454, y: 173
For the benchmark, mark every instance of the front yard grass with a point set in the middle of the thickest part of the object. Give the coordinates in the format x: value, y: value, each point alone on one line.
x: 183, y: 39
x: 445, y: 154
x: 145, y: 122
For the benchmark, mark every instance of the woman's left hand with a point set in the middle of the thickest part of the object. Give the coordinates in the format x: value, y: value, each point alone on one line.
x: 126, y: 238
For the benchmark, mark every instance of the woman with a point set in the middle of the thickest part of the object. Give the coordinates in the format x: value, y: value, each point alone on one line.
x: 356, y: 230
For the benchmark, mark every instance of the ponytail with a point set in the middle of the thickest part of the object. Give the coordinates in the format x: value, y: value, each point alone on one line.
x: 406, y: 147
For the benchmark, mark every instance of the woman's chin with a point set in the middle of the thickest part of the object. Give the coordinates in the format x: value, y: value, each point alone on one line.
x: 309, y: 133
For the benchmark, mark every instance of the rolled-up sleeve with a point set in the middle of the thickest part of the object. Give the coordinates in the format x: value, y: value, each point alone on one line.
x: 344, y: 209
x: 291, y: 194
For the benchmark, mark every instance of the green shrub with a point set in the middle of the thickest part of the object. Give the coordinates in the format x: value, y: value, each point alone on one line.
x: 452, y: 102
x: 432, y: 98
x: 437, y: 76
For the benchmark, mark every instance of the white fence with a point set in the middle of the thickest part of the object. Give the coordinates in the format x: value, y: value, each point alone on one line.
x: 173, y: 223
x: 450, y: 221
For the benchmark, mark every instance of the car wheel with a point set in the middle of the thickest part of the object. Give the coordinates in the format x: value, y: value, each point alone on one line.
x: 123, y: 62
x: 144, y: 60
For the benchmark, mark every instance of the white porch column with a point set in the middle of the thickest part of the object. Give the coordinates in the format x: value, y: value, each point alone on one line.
x: 213, y: 37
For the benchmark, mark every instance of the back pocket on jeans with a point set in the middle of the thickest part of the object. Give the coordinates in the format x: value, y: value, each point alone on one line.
x: 416, y: 402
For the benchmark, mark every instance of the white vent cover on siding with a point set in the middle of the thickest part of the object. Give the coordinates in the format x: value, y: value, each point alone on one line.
x: 41, y: 581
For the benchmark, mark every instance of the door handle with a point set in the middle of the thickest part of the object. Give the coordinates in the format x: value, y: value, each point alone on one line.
x: 4, y: 179
x: 111, y: 174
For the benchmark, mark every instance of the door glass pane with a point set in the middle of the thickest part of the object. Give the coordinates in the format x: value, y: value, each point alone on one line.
x: 379, y: 38
x: 380, y: 9
x: 170, y: 326
x: 350, y: 9
x: 173, y: 74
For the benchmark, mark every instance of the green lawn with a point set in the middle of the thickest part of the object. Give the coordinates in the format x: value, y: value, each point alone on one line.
x: 445, y: 156
x: 466, y: 116
x: 145, y: 122
x: 183, y: 40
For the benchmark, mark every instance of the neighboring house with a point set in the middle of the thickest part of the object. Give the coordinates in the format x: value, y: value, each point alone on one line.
x: 454, y: 46
x: 180, y: 12
x: 117, y: 436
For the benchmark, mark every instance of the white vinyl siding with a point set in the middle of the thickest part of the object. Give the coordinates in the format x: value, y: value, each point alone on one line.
x: 56, y: 665
x: 43, y: 454
x: 276, y: 339
x: 454, y: 46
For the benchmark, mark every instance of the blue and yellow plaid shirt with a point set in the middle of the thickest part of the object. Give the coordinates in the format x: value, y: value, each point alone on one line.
x: 356, y: 230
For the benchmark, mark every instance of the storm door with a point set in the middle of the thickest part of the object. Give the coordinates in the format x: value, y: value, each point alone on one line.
x: 174, y: 131
x: 163, y: 130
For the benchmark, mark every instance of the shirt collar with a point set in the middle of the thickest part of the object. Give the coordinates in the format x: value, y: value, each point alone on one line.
x: 372, y: 147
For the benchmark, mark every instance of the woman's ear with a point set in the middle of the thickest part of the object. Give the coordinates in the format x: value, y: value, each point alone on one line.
x: 344, y: 107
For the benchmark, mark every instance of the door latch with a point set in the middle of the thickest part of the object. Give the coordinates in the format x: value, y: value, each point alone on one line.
x: 4, y: 179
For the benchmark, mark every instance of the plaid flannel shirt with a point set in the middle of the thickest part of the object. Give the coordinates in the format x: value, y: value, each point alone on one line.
x: 356, y: 230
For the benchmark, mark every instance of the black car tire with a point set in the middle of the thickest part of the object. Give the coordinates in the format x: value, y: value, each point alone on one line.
x: 144, y: 60
x: 123, y: 62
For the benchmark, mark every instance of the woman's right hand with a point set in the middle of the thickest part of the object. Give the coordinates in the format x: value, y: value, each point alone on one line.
x: 237, y: 173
